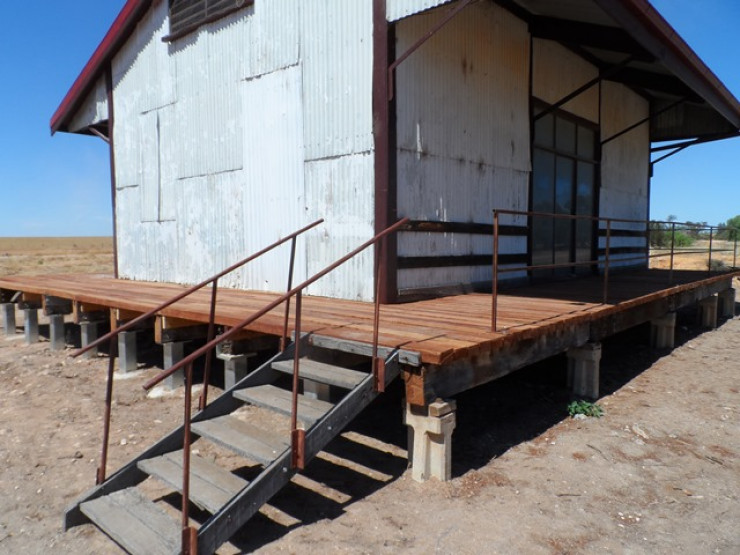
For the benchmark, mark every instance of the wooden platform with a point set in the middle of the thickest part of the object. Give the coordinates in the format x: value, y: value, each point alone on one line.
x: 450, y: 334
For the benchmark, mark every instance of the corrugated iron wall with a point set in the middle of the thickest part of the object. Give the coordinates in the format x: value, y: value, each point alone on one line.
x: 463, y: 135
x: 398, y: 9
x: 624, y: 163
x: 337, y: 92
x: 230, y: 137
x: 94, y: 108
x: 557, y: 72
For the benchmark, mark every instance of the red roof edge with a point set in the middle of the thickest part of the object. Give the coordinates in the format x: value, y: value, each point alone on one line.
x: 124, y: 24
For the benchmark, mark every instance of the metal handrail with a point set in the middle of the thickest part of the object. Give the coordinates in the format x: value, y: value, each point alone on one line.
x: 297, y: 434
x: 605, y: 262
x: 101, y: 471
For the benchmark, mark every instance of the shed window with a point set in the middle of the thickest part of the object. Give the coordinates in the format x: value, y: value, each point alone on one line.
x: 188, y: 15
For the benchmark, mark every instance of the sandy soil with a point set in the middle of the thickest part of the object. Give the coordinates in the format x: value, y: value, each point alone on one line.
x: 658, y: 473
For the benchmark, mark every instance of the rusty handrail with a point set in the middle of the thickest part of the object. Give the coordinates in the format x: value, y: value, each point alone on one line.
x: 275, y: 303
x: 193, y: 289
x: 101, y: 471
x: 297, y: 434
x: 605, y: 262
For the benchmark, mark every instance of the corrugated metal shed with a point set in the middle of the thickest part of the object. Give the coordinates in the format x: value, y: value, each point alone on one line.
x: 398, y: 9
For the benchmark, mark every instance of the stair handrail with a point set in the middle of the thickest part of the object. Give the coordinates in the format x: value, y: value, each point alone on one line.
x: 605, y: 263
x: 189, y: 534
x: 131, y: 323
x: 110, y: 336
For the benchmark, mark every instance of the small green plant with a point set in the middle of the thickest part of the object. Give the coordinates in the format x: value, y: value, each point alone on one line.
x: 585, y: 408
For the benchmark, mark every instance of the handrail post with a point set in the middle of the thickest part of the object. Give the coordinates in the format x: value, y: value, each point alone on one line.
x: 734, y: 252
x: 606, y: 259
x: 284, y: 338
x: 673, y: 243
x: 378, y: 365
x: 494, y: 275
x: 297, y: 436
x: 187, y: 531
x: 711, y: 237
x: 209, y: 355
x: 112, y: 354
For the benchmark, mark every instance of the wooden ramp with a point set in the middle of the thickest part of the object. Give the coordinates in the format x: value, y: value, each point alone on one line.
x: 141, y: 525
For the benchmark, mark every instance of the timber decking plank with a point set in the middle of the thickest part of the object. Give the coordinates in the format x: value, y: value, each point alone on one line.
x: 134, y: 522
x: 244, y: 439
x: 321, y: 372
x: 439, y: 329
x: 211, y: 486
x: 280, y: 400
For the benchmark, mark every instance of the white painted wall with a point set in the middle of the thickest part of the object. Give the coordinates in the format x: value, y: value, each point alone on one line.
x: 625, y: 162
x: 94, y: 109
x: 557, y: 72
x: 463, y: 134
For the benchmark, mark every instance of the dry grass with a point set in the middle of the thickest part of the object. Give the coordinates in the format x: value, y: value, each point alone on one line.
x: 56, y: 255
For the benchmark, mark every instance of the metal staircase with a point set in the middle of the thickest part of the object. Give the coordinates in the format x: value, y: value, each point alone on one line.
x: 120, y: 505
x: 124, y: 512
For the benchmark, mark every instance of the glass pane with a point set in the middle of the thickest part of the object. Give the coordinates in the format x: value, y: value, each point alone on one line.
x: 584, y: 206
x: 586, y: 141
x: 543, y: 131
x: 543, y: 196
x: 563, y: 229
x: 565, y: 136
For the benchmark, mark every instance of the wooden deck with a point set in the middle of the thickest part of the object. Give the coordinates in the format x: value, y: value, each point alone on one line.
x: 451, y: 335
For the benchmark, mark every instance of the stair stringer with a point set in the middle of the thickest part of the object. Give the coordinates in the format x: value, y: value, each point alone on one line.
x: 130, y: 475
x: 221, y: 526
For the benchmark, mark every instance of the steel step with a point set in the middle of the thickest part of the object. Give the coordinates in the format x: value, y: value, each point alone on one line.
x: 211, y: 486
x: 280, y: 400
x: 244, y: 439
x: 322, y: 373
x: 134, y: 522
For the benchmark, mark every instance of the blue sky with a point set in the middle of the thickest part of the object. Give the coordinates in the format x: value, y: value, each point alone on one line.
x: 60, y: 185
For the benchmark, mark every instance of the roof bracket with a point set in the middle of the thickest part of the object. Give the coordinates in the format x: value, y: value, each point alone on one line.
x: 583, y: 88
x: 642, y: 121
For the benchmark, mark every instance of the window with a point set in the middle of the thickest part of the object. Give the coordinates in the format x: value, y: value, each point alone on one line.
x: 564, y: 164
x: 188, y: 15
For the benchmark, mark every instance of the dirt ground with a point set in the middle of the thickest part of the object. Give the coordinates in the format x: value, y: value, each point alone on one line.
x: 658, y: 473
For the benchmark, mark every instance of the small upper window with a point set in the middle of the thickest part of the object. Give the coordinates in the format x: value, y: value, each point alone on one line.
x: 188, y: 15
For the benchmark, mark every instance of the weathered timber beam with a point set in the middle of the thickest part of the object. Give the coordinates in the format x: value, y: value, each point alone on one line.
x: 426, y: 384
x: 86, y: 312
x: 119, y: 316
x: 30, y: 301
x: 614, y: 323
x: 8, y: 296
x: 56, y: 305
x: 169, y: 330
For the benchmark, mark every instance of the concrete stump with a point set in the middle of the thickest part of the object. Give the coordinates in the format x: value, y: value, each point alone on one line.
x: 56, y: 332
x: 708, y: 312
x: 583, y: 370
x: 31, y: 325
x: 726, y: 300
x: 174, y: 352
x: 8, y: 310
x: 88, y: 334
x: 430, y: 440
x: 236, y: 367
x: 127, y: 351
x: 663, y: 332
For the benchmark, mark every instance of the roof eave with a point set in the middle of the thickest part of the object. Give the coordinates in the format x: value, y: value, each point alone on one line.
x: 657, y: 36
x: 118, y: 33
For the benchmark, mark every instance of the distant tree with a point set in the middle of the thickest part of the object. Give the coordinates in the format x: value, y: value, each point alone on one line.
x: 734, y: 228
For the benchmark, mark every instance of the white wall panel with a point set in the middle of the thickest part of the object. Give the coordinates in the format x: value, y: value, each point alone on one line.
x: 271, y: 38
x: 463, y: 135
x: 557, y: 72
x: 336, y: 52
x: 398, y: 9
x: 341, y: 191
x: 93, y: 110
